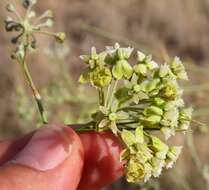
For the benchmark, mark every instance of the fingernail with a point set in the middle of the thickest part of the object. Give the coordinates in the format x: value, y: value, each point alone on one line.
x: 47, y: 149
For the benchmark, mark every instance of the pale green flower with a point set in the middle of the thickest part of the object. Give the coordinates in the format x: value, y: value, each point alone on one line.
x: 122, y: 69
x: 178, y: 69
x: 173, y: 155
x: 135, y: 171
x: 94, y: 59
x: 157, y: 166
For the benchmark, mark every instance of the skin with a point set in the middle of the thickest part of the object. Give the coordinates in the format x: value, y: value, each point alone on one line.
x: 92, y: 162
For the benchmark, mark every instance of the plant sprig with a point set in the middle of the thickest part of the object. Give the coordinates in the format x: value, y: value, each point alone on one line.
x: 27, y: 27
x: 132, y: 100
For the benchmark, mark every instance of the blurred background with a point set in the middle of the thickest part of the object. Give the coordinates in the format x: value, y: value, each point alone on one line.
x: 163, y: 28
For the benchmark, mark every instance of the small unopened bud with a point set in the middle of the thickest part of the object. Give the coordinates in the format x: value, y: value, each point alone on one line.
x: 113, y: 116
x: 136, y: 88
x: 27, y: 3
x: 48, y: 13
x: 49, y: 23
x: 10, y: 8
x: 60, y: 37
x: 14, y: 40
x: 34, y: 44
x: 32, y: 14
x: 13, y: 56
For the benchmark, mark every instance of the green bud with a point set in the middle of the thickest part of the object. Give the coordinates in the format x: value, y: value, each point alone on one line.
x: 139, y: 133
x: 152, y: 65
x: 167, y: 132
x: 169, y: 92
x: 172, y: 117
x: 49, y: 23
x: 85, y: 58
x: 104, y: 124
x: 153, y: 119
x: 124, y: 53
x: 157, y: 166
x: 127, y: 70
x: 48, y: 13
x: 94, y: 54
x: 60, y: 37
x: 152, y: 85
x: 136, y: 88
x: 153, y: 110
x: 117, y: 70
x: 112, y: 116
x: 10, y: 8
x: 128, y: 137
x: 140, y: 56
x: 31, y: 14
x: 122, y: 68
x: 84, y: 78
x: 186, y: 114
x: 164, y: 70
x: 159, y: 101
x: 172, y: 156
x: 160, y: 148
x: 141, y: 69
x: 178, y: 69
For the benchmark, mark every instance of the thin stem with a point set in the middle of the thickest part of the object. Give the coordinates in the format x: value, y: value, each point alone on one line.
x: 131, y: 108
x: 101, y: 96
x: 45, y: 32
x: 128, y: 122
x: 112, y: 94
x: 107, y: 95
x: 198, y: 122
x: 29, y: 9
x: 35, y: 92
x: 17, y: 15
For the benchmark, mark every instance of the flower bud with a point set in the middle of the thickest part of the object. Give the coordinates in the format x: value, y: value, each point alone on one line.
x: 153, y: 110
x: 112, y: 117
x: 49, y: 23
x: 10, y: 7
x: 60, y: 37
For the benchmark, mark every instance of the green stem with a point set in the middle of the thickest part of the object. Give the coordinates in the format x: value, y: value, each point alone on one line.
x: 107, y: 95
x: 35, y: 92
x: 131, y: 108
x: 101, y: 96
x: 112, y: 94
x: 198, y: 122
x: 44, y: 32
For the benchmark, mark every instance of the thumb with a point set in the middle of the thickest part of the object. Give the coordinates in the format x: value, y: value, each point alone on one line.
x: 51, y: 159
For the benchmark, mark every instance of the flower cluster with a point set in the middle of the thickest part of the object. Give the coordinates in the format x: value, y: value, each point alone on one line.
x: 146, y: 157
x: 26, y: 27
x: 135, y: 100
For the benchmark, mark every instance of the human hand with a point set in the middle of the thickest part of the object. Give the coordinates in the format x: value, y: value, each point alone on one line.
x: 56, y: 158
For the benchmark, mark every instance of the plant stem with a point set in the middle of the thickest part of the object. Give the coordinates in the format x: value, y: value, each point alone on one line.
x: 101, y: 96
x: 107, y: 95
x: 198, y: 122
x: 35, y: 92
x: 112, y: 94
